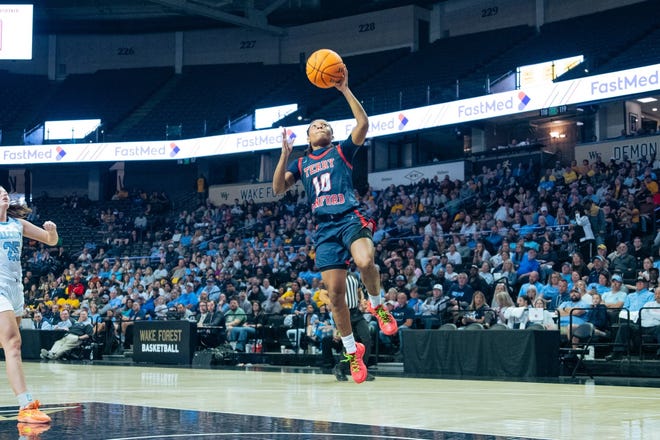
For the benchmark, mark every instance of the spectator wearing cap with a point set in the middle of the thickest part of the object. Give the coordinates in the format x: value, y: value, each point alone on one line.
x: 572, y: 313
x: 550, y: 220
x: 615, y: 297
x: 434, y: 308
x: 171, y: 256
x: 601, y: 250
x: 439, y: 263
x: 597, y: 268
x: 400, y: 285
x: 477, y: 282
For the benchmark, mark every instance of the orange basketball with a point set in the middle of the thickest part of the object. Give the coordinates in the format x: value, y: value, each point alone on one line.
x: 325, y: 68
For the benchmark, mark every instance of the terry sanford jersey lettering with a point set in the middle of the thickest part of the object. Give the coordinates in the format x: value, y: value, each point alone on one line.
x: 327, y: 175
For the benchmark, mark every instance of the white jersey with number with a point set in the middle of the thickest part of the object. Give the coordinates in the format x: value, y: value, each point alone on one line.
x: 11, y: 244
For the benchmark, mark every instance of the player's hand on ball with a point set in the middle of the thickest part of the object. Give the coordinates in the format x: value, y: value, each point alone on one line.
x: 50, y: 226
x: 342, y: 84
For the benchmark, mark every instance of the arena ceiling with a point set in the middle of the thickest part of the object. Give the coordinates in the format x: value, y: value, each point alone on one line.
x: 140, y: 16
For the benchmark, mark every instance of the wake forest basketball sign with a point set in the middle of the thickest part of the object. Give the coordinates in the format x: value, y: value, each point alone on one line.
x: 164, y: 342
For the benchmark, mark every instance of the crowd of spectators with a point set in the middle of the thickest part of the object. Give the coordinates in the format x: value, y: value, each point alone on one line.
x: 523, y: 235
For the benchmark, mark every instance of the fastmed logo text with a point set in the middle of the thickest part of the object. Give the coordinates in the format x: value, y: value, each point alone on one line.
x: 28, y: 154
x: 139, y: 151
x: 621, y: 83
x: 493, y: 105
x: 258, y: 140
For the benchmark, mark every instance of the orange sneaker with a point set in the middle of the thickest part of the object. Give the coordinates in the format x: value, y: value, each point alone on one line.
x: 32, y: 414
x: 386, y: 321
x: 30, y: 431
x: 356, y: 364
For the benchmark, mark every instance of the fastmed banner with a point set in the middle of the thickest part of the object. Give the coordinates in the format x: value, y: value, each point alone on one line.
x: 589, y: 89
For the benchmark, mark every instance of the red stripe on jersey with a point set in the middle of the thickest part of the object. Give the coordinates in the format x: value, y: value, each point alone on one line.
x: 341, y: 153
x: 366, y: 223
x: 320, y: 156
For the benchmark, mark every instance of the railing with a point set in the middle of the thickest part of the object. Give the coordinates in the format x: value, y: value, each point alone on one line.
x: 650, y: 339
x: 611, y: 337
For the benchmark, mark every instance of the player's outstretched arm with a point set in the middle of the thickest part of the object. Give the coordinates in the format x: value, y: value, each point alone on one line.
x: 47, y: 234
x: 283, y: 179
x: 359, y: 133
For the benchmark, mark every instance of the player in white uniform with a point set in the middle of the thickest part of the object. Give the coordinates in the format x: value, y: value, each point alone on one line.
x: 13, y: 227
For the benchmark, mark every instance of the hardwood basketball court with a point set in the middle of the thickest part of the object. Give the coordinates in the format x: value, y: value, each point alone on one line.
x: 90, y: 401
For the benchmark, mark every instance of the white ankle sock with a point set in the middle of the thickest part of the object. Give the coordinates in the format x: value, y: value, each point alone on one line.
x: 349, y: 343
x: 374, y: 300
x: 24, y: 399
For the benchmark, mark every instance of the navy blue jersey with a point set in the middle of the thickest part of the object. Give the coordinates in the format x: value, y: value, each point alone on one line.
x: 327, y: 175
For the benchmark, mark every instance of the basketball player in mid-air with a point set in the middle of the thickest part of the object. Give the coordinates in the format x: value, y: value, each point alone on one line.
x: 342, y: 231
x: 13, y: 227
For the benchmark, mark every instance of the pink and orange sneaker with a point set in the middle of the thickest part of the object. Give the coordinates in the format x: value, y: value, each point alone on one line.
x: 32, y: 414
x: 356, y: 364
x: 31, y: 431
x: 386, y: 321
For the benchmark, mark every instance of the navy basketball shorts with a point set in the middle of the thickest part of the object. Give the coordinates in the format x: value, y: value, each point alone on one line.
x: 334, y: 236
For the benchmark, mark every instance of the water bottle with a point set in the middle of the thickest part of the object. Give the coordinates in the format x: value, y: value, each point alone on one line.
x: 591, y: 352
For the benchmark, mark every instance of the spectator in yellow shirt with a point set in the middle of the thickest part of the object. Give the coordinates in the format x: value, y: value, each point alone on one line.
x: 570, y: 175
x: 288, y: 298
